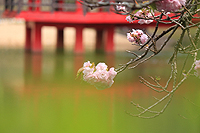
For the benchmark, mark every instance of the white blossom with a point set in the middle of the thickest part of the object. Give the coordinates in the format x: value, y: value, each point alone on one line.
x: 197, y: 67
x: 119, y: 7
x: 98, y: 76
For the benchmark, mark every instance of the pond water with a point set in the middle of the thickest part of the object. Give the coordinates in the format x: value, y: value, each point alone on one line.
x: 39, y: 93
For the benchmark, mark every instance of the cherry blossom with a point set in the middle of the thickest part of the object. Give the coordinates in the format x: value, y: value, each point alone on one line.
x: 143, y: 38
x: 169, y: 5
x: 197, y: 68
x: 197, y: 65
x: 88, y: 68
x: 137, y: 36
x: 130, y: 37
x: 101, y: 67
x: 119, y: 7
x: 143, y: 13
x: 98, y: 76
x: 129, y: 19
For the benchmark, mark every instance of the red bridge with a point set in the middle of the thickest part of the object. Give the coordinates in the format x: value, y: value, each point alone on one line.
x: 39, y: 13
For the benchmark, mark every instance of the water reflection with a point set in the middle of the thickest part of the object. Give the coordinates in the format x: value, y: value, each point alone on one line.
x: 39, y: 93
x: 33, y: 65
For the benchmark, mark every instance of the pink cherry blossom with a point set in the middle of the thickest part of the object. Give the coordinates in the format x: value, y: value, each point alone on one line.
x: 98, y: 76
x: 143, y: 38
x: 112, y: 73
x: 169, y: 5
x: 101, y: 75
x: 87, y: 66
x: 197, y: 68
x: 119, y: 7
x: 182, y: 2
x: 90, y: 78
x: 88, y: 70
x: 129, y: 19
x: 143, y: 21
x: 137, y: 36
x: 197, y: 65
x: 130, y: 38
x: 137, y: 32
x: 144, y: 13
x: 101, y: 66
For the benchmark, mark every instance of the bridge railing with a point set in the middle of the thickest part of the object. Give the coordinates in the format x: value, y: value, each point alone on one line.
x: 39, y: 5
x: 48, y: 5
x: 44, y: 5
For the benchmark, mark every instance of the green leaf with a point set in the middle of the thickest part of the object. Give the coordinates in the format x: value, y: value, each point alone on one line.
x: 79, y: 72
x: 158, y: 78
x: 153, y: 6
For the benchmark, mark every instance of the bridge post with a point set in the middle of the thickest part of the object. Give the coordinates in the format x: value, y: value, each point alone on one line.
x: 28, y: 38
x: 60, y: 40
x: 99, y: 40
x: 109, y: 44
x: 79, y: 39
x: 36, y: 37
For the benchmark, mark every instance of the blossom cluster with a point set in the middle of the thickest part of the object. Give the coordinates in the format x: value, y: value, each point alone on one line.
x: 143, y: 13
x: 197, y: 67
x: 129, y: 19
x: 98, y: 75
x: 170, y: 5
x: 137, y: 36
x: 119, y: 7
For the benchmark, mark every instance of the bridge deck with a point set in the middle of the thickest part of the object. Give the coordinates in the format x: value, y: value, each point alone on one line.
x: 103, y: 22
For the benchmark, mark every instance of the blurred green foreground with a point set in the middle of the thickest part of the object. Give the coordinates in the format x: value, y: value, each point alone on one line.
x: 39, y: 94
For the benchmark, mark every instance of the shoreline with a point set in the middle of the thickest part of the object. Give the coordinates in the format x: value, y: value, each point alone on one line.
x: 12, y: 35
